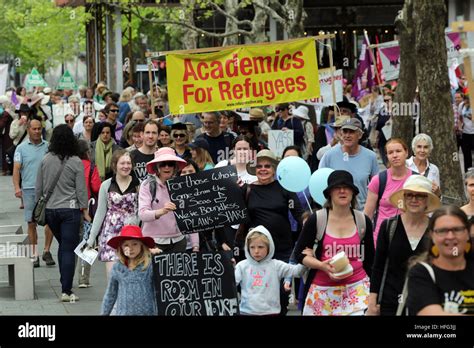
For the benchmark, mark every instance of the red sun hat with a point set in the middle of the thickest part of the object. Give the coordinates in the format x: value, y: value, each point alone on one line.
x: 165, y: 154
x: 130, y: 232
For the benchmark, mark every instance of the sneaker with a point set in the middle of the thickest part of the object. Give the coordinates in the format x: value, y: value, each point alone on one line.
x: 84, y: 285
x: 36, y: 262
x: 69, y: 298
x: 48, y: 258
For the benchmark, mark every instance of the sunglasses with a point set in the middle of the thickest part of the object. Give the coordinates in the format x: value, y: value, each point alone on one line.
x: 444, y: 231
x: 179, y: 135
x: 69, y: 121
x: 167, y: 164
x: 139, y: 120
x: 160, y: 106
x: 416, y: 196
x: 266, y: 166
x: 243, y: 132
x: 113, y: 110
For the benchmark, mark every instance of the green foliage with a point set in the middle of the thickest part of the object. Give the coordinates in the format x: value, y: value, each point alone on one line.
x: 40, y: 34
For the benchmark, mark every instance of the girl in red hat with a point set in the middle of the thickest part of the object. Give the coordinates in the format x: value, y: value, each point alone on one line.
x: 130, y: 286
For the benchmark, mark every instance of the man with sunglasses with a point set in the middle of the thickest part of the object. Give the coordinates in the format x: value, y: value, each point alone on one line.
x: 283, y: 121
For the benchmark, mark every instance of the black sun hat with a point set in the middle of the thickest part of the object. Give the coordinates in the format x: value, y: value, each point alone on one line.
x: 340, y: 178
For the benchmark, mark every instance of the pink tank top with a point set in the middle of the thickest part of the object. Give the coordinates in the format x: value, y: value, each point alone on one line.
x: 354, y: 251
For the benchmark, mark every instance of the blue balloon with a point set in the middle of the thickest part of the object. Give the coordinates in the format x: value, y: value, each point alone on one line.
x: 293, y: 173
x: 318, y: 183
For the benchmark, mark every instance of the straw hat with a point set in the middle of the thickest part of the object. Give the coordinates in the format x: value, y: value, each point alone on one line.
x: 256, y: 114
x: 340, y: 119
x: 415, y: 183
x: 267, y: 154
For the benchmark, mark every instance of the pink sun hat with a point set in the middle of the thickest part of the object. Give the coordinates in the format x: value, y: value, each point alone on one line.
x: 165, y: 154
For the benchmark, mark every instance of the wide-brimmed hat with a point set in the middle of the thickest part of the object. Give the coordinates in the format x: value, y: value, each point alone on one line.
x: 416, y: 183
x: 23, y: 108
x: 340, y: 178
x: 165, y: 154
x: 130, y: 232
x: 267, y: 154
x: 301, y: 112
x: 4, y: 99
x: 347, y: 105
x: 199, y: 143
x: 256, y: 114
x: 339, y: 121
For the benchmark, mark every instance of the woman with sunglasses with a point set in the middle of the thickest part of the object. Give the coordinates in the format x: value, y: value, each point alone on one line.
x: 179, y: 134
x: 155, y: 208
x: 268, y: 203
x: 441, y: 282
x: 400, y: 238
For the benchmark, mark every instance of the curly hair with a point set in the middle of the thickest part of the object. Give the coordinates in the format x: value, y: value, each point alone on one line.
x: 63, y: 142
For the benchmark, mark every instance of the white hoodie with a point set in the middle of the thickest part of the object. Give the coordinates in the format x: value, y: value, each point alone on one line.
x: 260, y: 281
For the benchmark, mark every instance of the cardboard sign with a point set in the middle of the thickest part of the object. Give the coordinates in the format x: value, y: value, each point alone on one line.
x: 326, y: 88
x: 278, y: 140
x: 195, y: 284
x: 207, y: 200
x: 34, y: 79
x: 66, y: 82
x: 242, y: 76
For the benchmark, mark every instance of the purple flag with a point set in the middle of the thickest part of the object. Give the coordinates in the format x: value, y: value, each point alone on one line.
x: 364, y: 65
x: 14, y: 99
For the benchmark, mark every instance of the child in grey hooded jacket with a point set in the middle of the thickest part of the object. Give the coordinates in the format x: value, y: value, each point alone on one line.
x: 259, y: 275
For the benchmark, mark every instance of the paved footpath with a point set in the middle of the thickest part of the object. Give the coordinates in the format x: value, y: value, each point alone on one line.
x: 47, y: 285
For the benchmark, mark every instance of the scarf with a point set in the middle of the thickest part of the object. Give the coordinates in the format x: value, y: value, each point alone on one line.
x: 103, y: 157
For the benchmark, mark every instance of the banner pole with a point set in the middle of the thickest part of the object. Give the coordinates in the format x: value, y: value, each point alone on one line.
x: 150, y: 78
x: 333, y: 86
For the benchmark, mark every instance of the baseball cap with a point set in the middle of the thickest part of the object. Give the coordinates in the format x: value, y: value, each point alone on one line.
x: 352, y: 123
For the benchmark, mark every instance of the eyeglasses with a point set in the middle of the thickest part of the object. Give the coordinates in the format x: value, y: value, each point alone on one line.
x: 416, y: 196
x: 167, y: 164
x: 266, y: 166
x: 179, y: 135
x: 442, y: 232
x: 113, y: 110
x: 139, y: 120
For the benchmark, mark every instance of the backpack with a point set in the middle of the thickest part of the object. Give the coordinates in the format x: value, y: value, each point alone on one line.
x: 321, y: 223
x: 402, y: 304
x: 151, y: 180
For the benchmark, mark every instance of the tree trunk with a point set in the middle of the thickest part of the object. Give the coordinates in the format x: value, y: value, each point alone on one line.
x: 231, y: 7
x: 296, y: 17
x: 435, y: 98
x: 406, y: 89
x: 259, y: 21
x: 190, y: 37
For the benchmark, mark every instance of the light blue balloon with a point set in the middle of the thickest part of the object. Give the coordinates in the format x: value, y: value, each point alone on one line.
x: 293, y: 173
x: 318, y: 183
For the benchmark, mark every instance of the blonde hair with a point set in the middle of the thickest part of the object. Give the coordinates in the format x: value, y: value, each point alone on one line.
x: 126, y: 95
x: 202, y: 157
x: 144, y: 257
x: 258, y: 235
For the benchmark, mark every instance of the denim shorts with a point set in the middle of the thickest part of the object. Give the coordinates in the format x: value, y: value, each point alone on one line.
x: 29, y: 202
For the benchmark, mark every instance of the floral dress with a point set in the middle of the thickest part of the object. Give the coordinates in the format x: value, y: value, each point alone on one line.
x: 119, y: 209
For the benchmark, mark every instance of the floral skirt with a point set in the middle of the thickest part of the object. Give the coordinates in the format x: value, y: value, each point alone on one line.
x: 349, y: 299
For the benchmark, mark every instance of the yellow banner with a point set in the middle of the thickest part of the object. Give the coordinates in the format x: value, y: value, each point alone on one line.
x: 242, y: 77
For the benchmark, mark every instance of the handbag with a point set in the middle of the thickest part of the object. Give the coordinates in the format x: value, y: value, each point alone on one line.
x: 39, y: 211
x: 10, y: 152
x: 93, y: 201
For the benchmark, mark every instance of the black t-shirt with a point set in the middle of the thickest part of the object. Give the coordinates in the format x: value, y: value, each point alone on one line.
x: 220, y: 146
x: 139, y: 164
x: 453, y: 286
x: 268, y: 206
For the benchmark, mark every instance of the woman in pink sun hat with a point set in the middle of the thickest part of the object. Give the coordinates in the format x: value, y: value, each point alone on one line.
x: 154, y: 204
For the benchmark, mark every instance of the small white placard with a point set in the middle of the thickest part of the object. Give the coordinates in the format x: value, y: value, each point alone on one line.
x: 87, y: 254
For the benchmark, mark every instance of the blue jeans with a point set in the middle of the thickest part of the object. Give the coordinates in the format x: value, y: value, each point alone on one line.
x: 65, y: 224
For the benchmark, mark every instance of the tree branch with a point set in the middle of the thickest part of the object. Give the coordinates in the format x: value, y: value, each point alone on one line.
x: 191, y: 26
x: 229, y: 16
x: 271, y: 11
